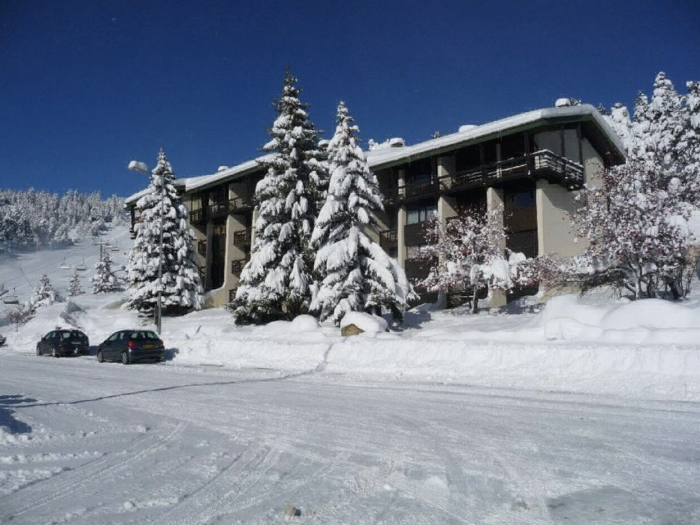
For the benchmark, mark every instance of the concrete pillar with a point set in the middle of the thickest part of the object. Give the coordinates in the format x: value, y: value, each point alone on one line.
x: 253, y: 221
x: 446, y: 166
x: 494, y: 201
x: 209, y: 256
x: 401, y: 223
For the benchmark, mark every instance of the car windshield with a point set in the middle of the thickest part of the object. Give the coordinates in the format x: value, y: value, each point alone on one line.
x: 71, y: 335
x: 143, y: 336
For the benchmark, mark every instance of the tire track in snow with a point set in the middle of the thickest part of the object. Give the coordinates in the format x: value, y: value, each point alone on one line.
x: 83, y: 477
x: 242, y: 473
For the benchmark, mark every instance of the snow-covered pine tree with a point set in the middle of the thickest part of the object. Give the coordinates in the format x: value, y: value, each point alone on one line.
x: 163, y: 212
x: 687, y: 148
x: 665, y: 126
x: 43, y: 294
x: 74, y: 287
x: 104, y: 280
x: 277, y: 281
x: 355, y: 273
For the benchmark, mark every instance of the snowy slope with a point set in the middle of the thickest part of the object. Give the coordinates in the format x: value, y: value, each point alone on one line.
x: 20, y: 272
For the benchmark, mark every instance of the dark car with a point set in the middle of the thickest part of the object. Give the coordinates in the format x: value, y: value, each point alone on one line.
x: 2, y: 339
x: 129, y: 346
x: 63, y: 343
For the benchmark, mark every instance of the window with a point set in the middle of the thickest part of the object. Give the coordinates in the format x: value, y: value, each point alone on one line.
x: 422, y: 213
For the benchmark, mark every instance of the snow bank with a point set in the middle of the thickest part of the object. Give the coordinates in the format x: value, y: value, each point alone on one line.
x: 365, y: 322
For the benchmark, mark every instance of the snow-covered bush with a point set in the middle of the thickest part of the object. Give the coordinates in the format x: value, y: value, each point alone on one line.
x: 355, y: 274
x: 636, y: 227
x: 470, y: 256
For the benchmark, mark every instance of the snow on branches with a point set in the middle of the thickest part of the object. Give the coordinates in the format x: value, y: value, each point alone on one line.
x: 161, y: 212
x: 468, y: 254
x: 355, y: 274
x: 277, y: 281
x: 104, y: 280
x: 636, y: 227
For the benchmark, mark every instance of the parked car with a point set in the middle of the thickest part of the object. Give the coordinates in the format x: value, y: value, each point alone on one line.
x: 2, y: 339
x: 63, y: 343
x: 129, y: 346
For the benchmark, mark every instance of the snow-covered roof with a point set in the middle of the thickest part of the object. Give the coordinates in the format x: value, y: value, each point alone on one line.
x: 381, y: 157
x: 385, y: 156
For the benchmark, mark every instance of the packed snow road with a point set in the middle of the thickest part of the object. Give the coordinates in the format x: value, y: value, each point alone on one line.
x: 89, y: 443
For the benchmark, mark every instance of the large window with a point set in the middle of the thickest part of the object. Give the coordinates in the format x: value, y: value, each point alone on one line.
x: 420, y: 213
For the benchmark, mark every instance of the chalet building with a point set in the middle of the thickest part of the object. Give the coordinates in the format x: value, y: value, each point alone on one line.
x: 528, y: 165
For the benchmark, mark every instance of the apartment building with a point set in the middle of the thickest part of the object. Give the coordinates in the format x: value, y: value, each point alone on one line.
x: 528, y: 166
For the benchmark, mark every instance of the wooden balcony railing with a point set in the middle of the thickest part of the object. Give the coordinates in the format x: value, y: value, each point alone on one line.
x: 388, y: 238
x: 202, y: 248
x: 538, y: 165
x: 241, y: 237
x: 240, y: 204
x: 217, y: 209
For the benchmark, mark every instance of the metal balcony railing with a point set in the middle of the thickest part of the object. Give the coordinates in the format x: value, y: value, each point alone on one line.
x: 238, y: 264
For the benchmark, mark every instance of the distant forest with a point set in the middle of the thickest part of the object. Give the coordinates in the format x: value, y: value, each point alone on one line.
x: 39, y: 219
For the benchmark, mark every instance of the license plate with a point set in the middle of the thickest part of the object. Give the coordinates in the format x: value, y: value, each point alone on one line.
x: 149, y: 346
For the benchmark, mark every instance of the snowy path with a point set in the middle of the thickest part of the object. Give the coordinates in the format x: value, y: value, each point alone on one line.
x: 85, y: 443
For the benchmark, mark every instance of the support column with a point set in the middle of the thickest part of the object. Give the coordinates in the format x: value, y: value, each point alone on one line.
x: 446, y: 167
x: 209, y: 256
x: 400, y: 225
x: 494, y: 201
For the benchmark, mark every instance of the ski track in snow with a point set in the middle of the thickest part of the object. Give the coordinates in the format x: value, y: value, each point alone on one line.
x: 157, y: 444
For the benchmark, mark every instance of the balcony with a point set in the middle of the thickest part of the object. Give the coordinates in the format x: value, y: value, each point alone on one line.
x: 412, y: 191
x: 202, y: 248
x: 217, y: 209
x: 539, y: 165
x: 238, y: 264
x: 241, y: 237
x: 388, y: 238
x: 240, y: 204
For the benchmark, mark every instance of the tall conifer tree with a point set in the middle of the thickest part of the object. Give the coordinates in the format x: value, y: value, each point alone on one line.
x: 162, y: 207
x: 354, y: 271
x: 276, y: 283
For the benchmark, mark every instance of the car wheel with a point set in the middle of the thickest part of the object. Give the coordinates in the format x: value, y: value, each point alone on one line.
x: 125, y: 358
x: 54, y: 353
x: 100, y: 357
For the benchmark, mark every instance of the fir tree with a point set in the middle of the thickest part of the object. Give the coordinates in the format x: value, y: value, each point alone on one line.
x: 355, y: 273
x: 74, y: 288
x: 276, y: 282
x: 161, y: 212
x: 43, y: 294
x: 104, y: 280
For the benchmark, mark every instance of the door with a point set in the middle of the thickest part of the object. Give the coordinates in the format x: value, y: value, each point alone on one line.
x: 109, y: 346
x: 45, y: 345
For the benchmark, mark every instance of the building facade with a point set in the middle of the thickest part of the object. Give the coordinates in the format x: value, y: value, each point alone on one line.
x: 529, y: 166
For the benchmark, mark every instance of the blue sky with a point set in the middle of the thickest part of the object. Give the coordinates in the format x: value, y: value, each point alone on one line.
x: 88, y: 85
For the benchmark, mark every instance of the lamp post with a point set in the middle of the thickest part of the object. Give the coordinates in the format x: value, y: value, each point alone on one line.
x: 141, y: 167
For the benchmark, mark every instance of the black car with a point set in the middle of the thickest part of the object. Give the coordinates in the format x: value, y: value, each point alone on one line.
x: 2, y: 339
x: 129, y: 346
x: 63, y: 343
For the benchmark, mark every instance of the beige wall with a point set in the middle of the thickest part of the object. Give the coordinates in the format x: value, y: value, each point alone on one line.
x: 592, y: 164
x: 554, y: 231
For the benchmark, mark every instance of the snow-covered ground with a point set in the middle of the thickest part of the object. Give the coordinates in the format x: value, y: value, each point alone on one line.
x: 583, y: 411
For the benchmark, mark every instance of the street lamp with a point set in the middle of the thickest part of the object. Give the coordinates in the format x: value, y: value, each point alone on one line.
x: 141, y: 167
